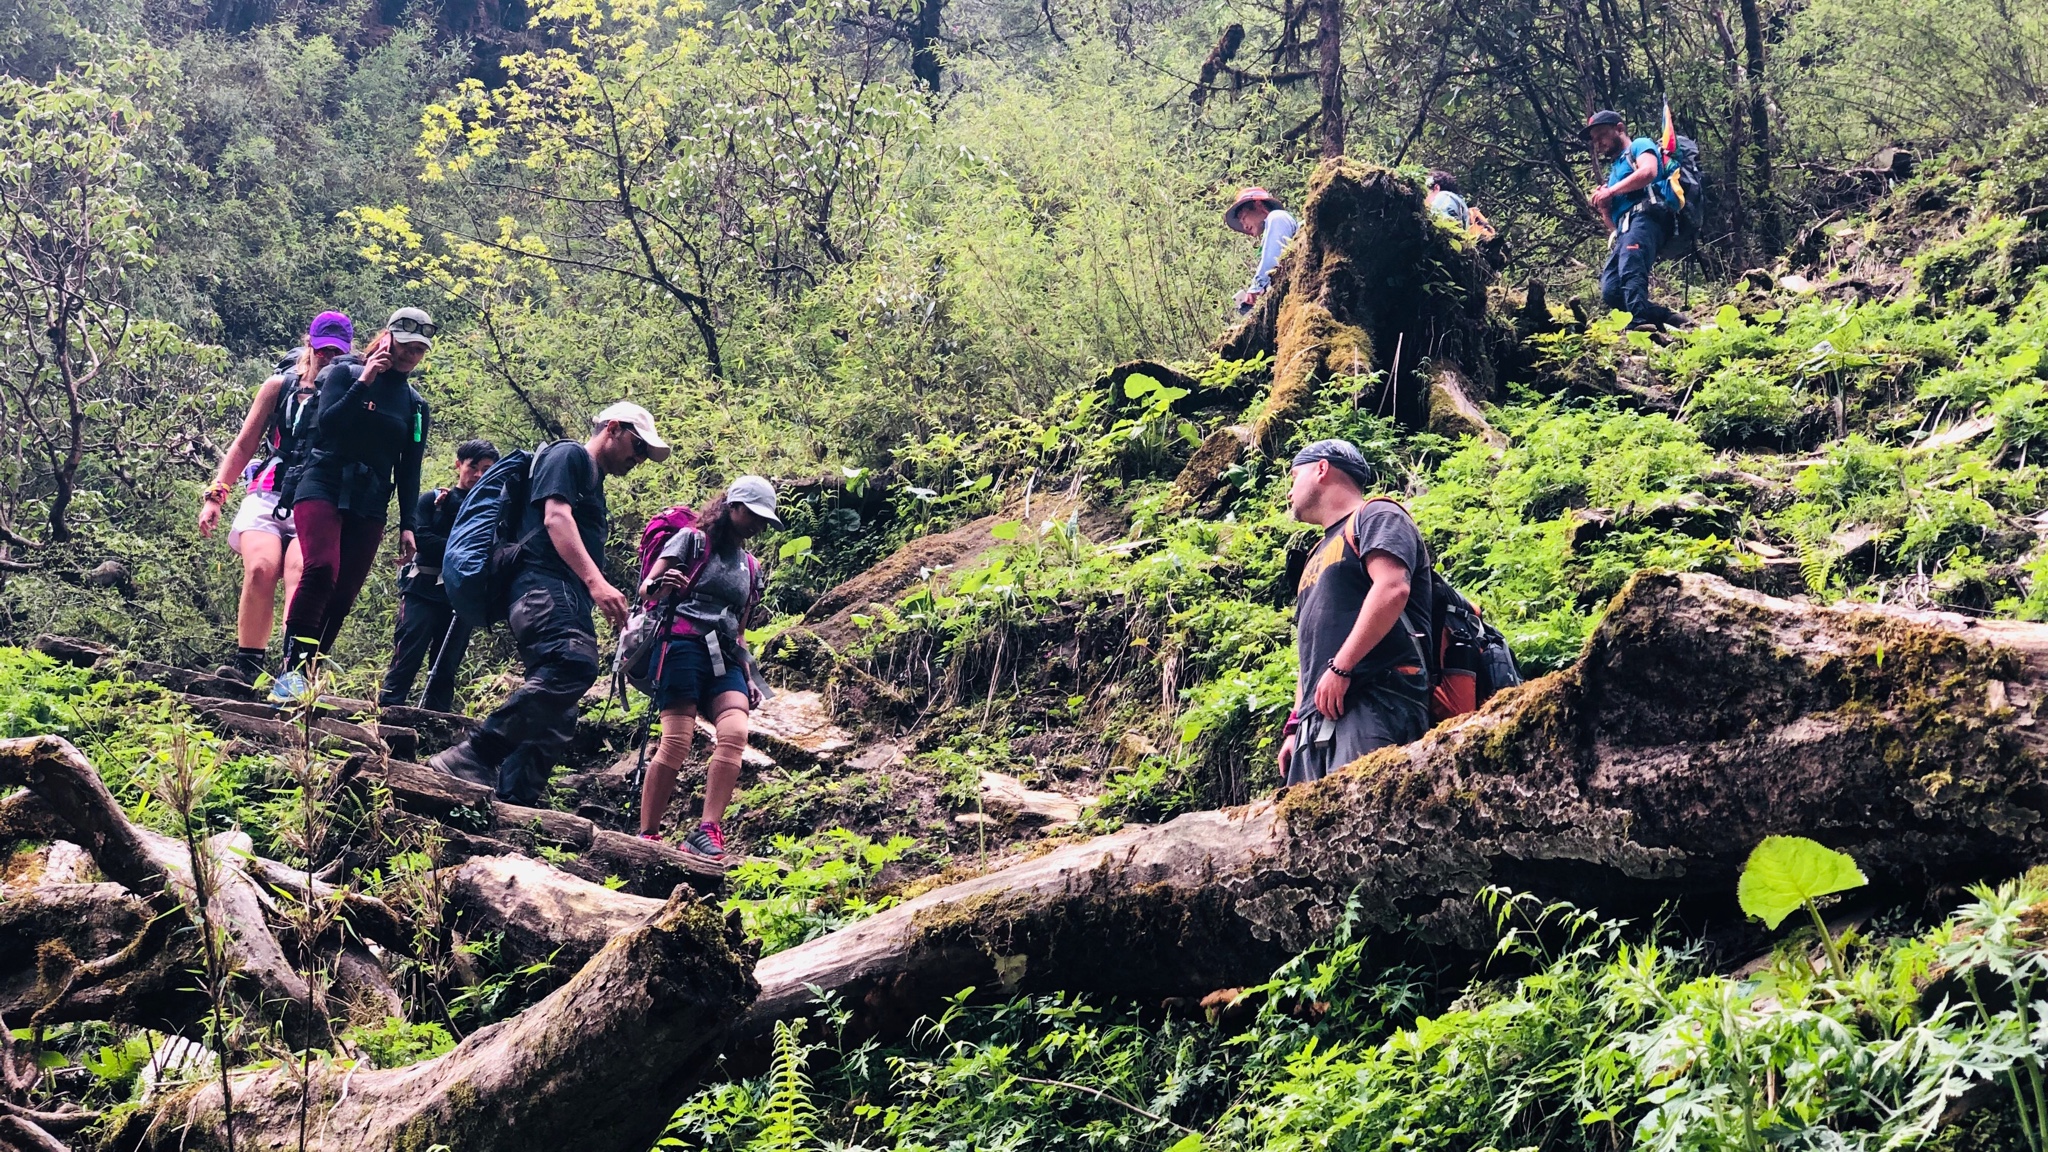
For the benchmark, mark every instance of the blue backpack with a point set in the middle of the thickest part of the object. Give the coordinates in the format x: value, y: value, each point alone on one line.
x: 484, y: 546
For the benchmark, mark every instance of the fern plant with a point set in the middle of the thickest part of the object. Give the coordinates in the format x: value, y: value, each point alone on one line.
x: 788, y: 1116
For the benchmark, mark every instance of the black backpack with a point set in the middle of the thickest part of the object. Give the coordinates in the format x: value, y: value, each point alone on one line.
x: 1682, y: 175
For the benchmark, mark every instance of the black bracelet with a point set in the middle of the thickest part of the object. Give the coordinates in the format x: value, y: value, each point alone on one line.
x: 1336, y: 671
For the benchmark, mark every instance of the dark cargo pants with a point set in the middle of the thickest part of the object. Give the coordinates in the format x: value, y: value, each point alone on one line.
x: 429, y: 632
x: 1625, y: 278
x: 531, y: 731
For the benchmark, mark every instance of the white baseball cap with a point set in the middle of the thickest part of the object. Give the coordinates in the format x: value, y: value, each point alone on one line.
x: 411, y: 326
x: 641, y: 421
x: 757, y: 494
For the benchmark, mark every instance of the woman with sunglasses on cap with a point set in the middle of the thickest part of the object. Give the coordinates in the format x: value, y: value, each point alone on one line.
x: 367, y: 443
x: 278, y: 418
x: 702, y: 667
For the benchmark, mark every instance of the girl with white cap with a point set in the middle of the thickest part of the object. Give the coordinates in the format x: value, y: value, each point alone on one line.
x: 702, y: 666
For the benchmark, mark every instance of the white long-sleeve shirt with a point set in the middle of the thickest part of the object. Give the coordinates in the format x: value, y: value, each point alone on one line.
x: 1280, y: 228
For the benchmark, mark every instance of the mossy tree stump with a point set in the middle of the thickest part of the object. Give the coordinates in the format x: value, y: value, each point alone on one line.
x: 1371, y: 273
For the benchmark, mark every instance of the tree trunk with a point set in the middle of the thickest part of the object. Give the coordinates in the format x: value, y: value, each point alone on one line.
x: 1770, y: 231
x: 924, y: 31
x: 598, y: 1066
x: 1330, y: 76
x: 1731, y: 158
x: 1700, y: 719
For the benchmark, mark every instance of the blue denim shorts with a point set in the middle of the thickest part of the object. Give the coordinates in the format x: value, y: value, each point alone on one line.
x: 684, y: 676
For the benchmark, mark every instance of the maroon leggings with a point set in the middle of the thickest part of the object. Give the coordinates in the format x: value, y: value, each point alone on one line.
x: 337, y: 549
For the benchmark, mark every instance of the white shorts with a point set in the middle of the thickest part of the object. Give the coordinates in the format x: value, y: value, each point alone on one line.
x: 254, y: 515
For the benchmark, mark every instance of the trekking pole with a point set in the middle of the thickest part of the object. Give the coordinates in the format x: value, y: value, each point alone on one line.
x: 447, y: 641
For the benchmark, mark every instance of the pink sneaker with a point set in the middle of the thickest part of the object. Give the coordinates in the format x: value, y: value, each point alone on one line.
x: 707, y: 840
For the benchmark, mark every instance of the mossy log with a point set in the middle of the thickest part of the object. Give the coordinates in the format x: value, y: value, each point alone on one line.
x: 1700, y: 718
x: 155, y: 867
x: 1371, y: 277
x: 598, y: 1066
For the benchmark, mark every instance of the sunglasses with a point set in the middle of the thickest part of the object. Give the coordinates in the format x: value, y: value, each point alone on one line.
x: 412, y: 327
x: 640, y: 449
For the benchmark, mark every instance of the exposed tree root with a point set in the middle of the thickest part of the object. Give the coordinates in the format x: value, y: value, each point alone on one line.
x: 153, y: 866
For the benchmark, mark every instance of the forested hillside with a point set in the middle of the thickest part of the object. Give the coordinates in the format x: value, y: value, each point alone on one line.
x: 1008, y: 868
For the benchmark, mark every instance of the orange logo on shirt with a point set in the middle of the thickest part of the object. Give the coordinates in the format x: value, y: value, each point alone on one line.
x: 1330, y: 552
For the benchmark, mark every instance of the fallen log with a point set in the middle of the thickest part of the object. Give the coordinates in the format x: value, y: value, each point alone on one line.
x: 543, y: 913
x: 1700, y: 718
x: 599, y: 1065
x: 153, y: 866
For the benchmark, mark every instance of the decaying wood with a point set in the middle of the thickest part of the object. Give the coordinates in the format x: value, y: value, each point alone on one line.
x: 598, y: 1066
x: 153, y: 866
x: 1701, y: 718
x: 541, y: 912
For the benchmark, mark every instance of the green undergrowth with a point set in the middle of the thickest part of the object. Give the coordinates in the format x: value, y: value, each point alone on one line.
x: 811, y: 886
x: 129, y: 730
x: 1578, y: 1034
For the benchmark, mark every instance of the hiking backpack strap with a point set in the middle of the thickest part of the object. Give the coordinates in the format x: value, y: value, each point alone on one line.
x: 1425, y: 638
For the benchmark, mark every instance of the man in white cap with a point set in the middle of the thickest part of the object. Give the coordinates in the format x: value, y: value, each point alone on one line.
x: 558, y: 581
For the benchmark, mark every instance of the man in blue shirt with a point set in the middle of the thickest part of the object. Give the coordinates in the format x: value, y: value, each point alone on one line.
x: 1256, y: 213
x: 1638, y: 223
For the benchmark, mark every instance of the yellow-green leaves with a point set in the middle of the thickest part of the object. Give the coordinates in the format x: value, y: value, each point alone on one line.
x: 1787, y: 872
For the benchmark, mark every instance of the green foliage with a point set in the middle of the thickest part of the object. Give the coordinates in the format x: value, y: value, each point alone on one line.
x: 815, y: 885
x: 1986, y: 265
x: 395, y: 1042
x: 502, y: 992
x: 1505, y: 527
x: 1786, y: 873
x: 119, y: 1066
x: 1609, y: 1037
x: 1736, y: 408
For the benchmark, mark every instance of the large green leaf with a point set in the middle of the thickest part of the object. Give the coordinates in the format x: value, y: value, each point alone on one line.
x: 1786, y: 871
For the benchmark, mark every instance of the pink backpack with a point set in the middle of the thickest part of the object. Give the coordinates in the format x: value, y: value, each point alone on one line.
x: 659, y: 531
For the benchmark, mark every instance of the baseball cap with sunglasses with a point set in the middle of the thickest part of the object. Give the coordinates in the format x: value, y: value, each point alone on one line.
x: 412, y: 326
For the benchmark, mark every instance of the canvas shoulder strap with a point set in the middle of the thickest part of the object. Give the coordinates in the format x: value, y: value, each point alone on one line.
x: 1418, y: 628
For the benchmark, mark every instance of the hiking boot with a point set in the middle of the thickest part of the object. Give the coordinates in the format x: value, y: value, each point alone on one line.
x: 463, y: 764
x: 708, y: 841
x: 290, y: 688
x: 231, y: 672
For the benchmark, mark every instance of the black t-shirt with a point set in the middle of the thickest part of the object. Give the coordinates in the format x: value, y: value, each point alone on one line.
x: 1333, y: 589
x: 565, y: 472
x: 433, y: 519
